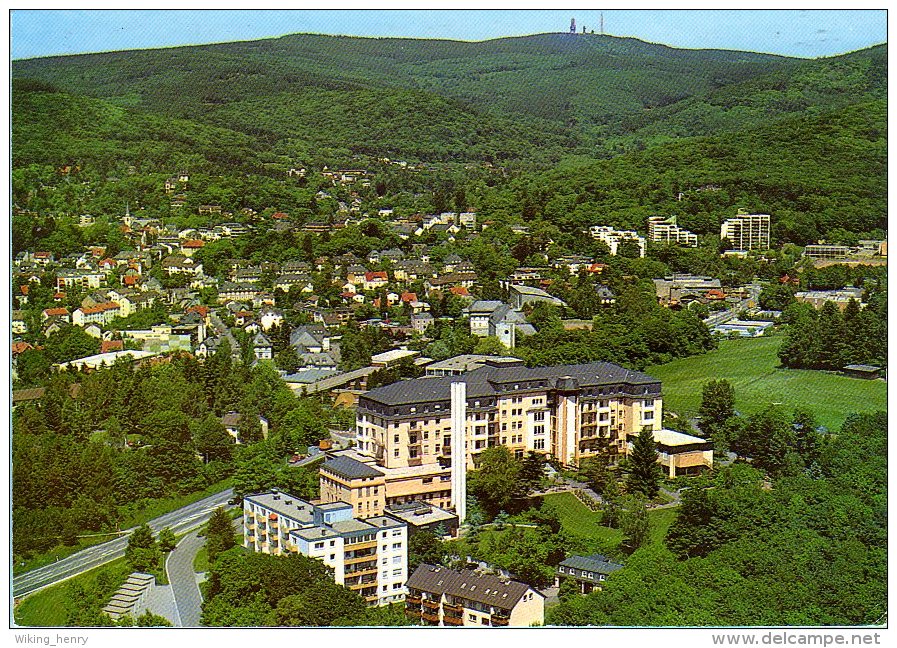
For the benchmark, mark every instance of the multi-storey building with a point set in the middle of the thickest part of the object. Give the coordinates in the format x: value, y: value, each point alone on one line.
x: 445, y: 597
x: 613, y: 238
x: 370, y: 556
x: 665, y: 230
x: 747, y: 231
x: 561, y: 411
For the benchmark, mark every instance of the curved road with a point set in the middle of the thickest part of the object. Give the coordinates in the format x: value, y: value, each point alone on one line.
x: 179, y: 521
x: 182, y: 578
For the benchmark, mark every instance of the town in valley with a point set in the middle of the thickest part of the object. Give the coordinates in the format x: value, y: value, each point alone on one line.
x: 568, y: 329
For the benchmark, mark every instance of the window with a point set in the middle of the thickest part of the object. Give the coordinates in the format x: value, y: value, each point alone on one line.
x: 319, y: 545
x: 396, y: 560
x: 333, y: 543
x: 397, y: 545
x: 395, y: 453
x: 538, y: 429
x: 426, y: 436
x: 395, y: 438
x: 538, y: 416
x: 396, y: 533
x: 472, y: 617
x: 539, y: 444
x: 412, y: 438
x: 649, y: 416
x: 396, y: 586
x: 384, y: 561
x: 332, y: 556
x: 484, y: 621
x: 396, y: 572
x: 412, y: 453
x: 385, y: 574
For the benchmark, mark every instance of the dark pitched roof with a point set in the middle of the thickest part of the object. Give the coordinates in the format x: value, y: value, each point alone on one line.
x: 595, y: 563
x: 350, y: 468
x: 488, y: 381
x: 468, y: 584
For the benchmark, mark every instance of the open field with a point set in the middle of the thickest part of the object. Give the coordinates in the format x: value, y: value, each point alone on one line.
x: 752, y: 366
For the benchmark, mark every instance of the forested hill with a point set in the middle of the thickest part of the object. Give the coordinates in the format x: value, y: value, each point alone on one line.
x: 542, y: 95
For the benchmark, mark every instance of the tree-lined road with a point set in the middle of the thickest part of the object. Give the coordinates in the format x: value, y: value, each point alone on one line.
x: 180, y: 521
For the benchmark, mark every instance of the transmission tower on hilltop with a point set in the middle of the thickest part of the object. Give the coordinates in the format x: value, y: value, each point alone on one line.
x: 573, y: 25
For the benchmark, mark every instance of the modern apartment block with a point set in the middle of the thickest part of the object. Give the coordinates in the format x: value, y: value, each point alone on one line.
x: 747, y: 231
x: 665, y: 230
x: 445, y: 597
x: 613, y: 238
x: 370, y: 556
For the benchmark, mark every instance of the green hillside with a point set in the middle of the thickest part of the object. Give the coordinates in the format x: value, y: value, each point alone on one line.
x: 752, y: 367
x: 612, y: 92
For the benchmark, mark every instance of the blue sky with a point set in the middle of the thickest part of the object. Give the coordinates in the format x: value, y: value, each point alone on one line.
x: 805, y: 33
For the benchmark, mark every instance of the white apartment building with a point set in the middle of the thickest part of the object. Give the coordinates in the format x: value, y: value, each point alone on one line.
x: 665, y: 230
x: 369, y: 557
x: 613, y: 238
x: 747, y: 231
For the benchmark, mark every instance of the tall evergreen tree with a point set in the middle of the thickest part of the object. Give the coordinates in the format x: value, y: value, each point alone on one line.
x: 219, y: 534
x: 644, y: 472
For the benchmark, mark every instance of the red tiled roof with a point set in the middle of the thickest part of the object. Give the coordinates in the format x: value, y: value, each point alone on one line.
x: 409, y: 297
x: 279, y: 215
x: 379, y: 274
x: 202, y: 310
x: 24, y: 289
x: 108, y: 262
x: 52, y: 312
x: 461, y: 291
x: 131, y: 280
x: 41, y: 255
x: 111, y: 345
x: 195, y: 244
x: 59, y: 295
x: 99, y: 308
x: 20, y: 347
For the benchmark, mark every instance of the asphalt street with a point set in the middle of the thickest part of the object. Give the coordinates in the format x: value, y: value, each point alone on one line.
x: 179, y: 521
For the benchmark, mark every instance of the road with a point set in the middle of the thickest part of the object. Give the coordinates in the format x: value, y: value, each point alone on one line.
x: 179, y: 521
x: 179, y: 567
x: 182, y: 578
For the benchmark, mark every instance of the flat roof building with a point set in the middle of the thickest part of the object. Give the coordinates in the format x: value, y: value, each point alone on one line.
x: 369, y: 556
x: 747, y: 231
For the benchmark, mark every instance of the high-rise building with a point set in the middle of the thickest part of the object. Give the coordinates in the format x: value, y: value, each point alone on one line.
x: 747, y: 231
x: 665, y: 230
x: 370, y: 556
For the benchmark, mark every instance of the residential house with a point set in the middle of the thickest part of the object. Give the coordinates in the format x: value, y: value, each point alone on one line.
x: 589, y: 572
x: 445, y: 597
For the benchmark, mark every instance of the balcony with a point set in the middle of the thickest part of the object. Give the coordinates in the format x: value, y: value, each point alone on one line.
x: 358, y: 546
x: 453, y: 621
x: 430, y: 617
x: 452, y: 608
x: 358, y: 557
x: 361, y: 583
x: 412, y: 599
x: 362, y: 571
x: 499, y: 620
x: 411, y: 613
x: 432, y: 605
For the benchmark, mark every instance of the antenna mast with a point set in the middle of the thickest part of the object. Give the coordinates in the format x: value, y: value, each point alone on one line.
x: 573, y: 25
x: 602, y: 23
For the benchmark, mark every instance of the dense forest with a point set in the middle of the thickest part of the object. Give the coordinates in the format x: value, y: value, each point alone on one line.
x: 809, y: 549
x: 97, y: 447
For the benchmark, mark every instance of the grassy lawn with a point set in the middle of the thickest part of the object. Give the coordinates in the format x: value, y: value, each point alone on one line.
x: 585, y: 525
x: 201, y: 561
x: 48, y: 607
x: 751, y: 365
